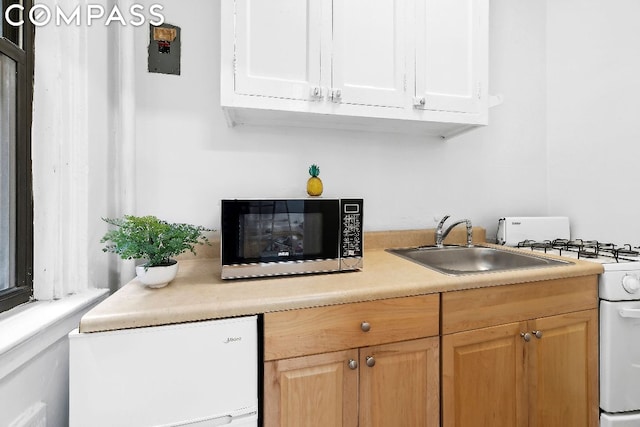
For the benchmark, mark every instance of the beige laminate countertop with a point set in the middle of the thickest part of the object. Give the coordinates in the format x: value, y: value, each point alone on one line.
x: 198, y: 292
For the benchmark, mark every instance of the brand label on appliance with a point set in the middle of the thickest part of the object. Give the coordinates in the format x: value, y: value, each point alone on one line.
x: 232, y: 340
x: 283, y: 253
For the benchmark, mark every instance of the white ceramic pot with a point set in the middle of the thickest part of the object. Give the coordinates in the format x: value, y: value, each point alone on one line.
x: 157, y: 276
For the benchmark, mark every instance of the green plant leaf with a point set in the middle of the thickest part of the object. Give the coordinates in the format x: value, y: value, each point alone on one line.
x: 150, y: 238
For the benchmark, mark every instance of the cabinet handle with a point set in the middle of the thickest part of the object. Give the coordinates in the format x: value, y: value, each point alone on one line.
x: 316, y: 93
x: 365, y: 326
x: 419, y: 102
x: 538, y: 334
x: 370, y: 361
x: 352, y: 364
x: 336, y: 95
x: 526, y: 336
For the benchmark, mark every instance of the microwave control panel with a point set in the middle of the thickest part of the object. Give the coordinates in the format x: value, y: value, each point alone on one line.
x: 351, y: 236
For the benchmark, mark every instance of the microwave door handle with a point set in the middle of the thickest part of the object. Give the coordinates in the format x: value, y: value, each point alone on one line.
x: 633, y: 313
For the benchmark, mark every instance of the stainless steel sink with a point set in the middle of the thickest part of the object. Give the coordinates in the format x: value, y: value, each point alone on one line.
x: 460, y: 260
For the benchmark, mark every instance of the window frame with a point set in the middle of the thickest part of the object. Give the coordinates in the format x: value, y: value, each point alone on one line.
x: 22, y: 289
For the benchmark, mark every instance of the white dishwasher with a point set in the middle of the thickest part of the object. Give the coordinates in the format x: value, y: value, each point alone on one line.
x: 191, y: 374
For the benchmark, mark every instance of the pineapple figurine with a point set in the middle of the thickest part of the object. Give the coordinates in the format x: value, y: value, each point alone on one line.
x: 314, y: 184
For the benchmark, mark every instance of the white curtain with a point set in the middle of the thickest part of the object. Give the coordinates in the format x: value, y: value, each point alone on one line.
x: 60, y: 161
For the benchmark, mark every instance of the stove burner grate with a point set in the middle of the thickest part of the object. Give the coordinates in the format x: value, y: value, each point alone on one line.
x: 533, y: 244
x: 588, y: 249
x: 627, y: 250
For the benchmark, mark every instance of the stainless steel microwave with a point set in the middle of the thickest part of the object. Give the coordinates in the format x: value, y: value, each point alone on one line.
x: 272, y: 237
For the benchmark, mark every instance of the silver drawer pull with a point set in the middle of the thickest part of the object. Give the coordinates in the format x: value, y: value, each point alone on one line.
x: 365, y: 326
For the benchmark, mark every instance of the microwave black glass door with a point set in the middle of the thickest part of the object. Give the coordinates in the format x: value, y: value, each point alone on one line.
x: 279, y: 230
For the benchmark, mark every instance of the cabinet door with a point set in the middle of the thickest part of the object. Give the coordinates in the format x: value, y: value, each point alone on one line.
x: 399, y: 384
x: 277, y: 48
x: 369, y: 52
x: 312, y: 391
x: 452, y: 54
x: 483, y: 378
x: 563, y: 366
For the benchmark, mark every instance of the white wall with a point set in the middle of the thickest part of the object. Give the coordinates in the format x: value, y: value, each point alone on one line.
x: 188, y: 159
x: 44, y: 379
x: 593, y: 110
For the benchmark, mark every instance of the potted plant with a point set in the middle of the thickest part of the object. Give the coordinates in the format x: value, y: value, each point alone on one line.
x: 155, y: 240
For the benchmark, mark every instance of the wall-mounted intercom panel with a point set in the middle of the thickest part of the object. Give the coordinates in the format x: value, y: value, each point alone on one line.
x: 164, y: 49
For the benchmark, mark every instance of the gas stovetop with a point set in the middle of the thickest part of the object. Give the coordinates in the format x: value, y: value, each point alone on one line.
x: 621, y: 277
x: 588, y: 250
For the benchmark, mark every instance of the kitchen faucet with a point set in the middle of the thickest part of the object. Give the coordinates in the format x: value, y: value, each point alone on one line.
x: 441, y: 235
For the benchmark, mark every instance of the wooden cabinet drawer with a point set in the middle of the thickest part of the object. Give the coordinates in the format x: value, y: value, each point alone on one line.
x: 478, y: 308
x: 324, y: 329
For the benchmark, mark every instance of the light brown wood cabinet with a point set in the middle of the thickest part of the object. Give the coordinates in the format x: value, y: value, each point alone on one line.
x: 512, y: 356
x: 402, y: 388
x: 365, y: 364
x: 521, y: 355
x: 316, y: 390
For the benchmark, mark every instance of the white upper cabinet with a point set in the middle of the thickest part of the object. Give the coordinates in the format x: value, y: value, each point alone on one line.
x: 451, y: 55
x: 382, y: 65
x: 277, y: 48
x: 369, y: 52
